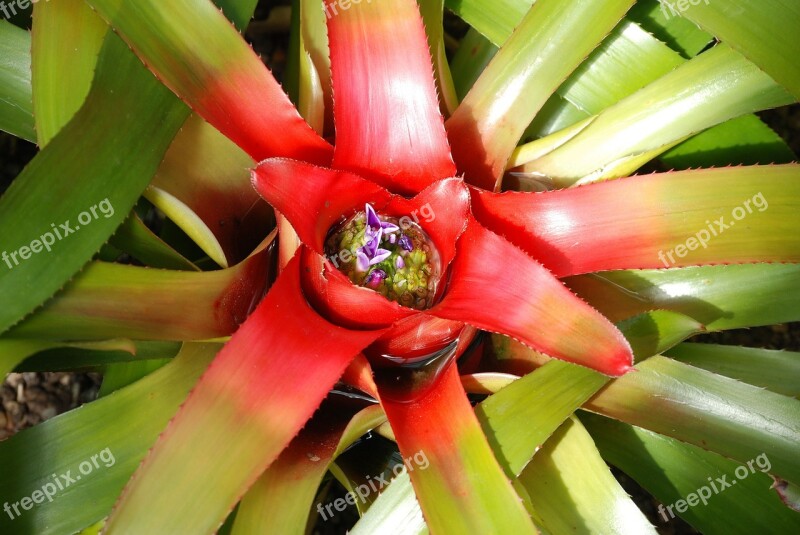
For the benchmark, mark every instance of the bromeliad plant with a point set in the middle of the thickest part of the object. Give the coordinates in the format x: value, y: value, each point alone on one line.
x: 394, y: 277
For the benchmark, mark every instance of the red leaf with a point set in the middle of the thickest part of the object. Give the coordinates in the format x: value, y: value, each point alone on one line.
x: 441, y: 210
x: 248, y: 105
x: 458, y: 481
x: 388, y: 124
x: 675, y: 219
x: 314, y: 198
x: 261, y: 388
x: 342, y: 302
x: 497, y: 287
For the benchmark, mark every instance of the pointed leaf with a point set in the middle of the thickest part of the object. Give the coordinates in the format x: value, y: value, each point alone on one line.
x: 432, y: 12
x: 719, y: 297
x: 388, y: 124
x: 67, y: 36
x: 723, y: 415
x: 188, y: 221
x: 239, y: 395
x: 669, y: 219
x: 680, y: 34
x: 575, y: 332
x: 117, y: 430
x: 463, y: 489
x: 573, y: 491
x: 13, y: 352
x: 43, y: 197
x: 673, y: 470
x: 69, y: 358
x: 745, y: 140
x: 774, y: 370
x: 764, y: 33
x: 198, y: 54
x: 112, y: 300
x: 491, y: 119
x: 715, y: 86
x: 210, y: 175
x: 136, y: 239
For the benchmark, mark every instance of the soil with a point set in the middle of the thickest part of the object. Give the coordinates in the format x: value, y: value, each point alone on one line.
x: 30, y: 398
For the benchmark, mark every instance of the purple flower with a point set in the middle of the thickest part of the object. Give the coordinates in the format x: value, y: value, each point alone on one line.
x: 380, y: 256
x: 375, y: 278
x: 371, y: 253
x: 362, y: 260
x: 405, y: 243
x: 373, y: 242
x: 399, y: 263
x: 375, y: 223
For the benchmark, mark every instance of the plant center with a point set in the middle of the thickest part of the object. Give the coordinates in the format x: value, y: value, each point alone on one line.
x: 394, y: 257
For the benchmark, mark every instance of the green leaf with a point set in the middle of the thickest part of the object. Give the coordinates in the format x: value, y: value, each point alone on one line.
x: 124, y: 425
x: 547, y: 396
x: 67, y: 37
x: 473, y: 55
x: 720, y: 414
x: 573, y: 491
x: 314, y: 65
x: 672, y: 470
x: 491, y: 119
x: 719, y: 297
x: 764, y: 32
x: 742, y: 141
x: 122, y: 374
x: 495, y: 19
x: 628, y: 59
x: 281, y: 498
x: 774, y: 370
x: 302, y: 81
x: 195, y: 51
x: 188, y: 221
x: 433, y: 17
x: 395, y: 511
x: 140, y: 242
x: 205, y: 175
x: 680, y: 34
x: 16, y: 104
x: 554, y: 391
x: 716, y: 86
x: 112, y: 300
x: 44, y: 197
x: 13, y: 352
x: 69, y: 358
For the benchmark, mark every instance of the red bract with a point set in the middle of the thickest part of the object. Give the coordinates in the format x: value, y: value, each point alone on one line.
x: 492, y: 284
